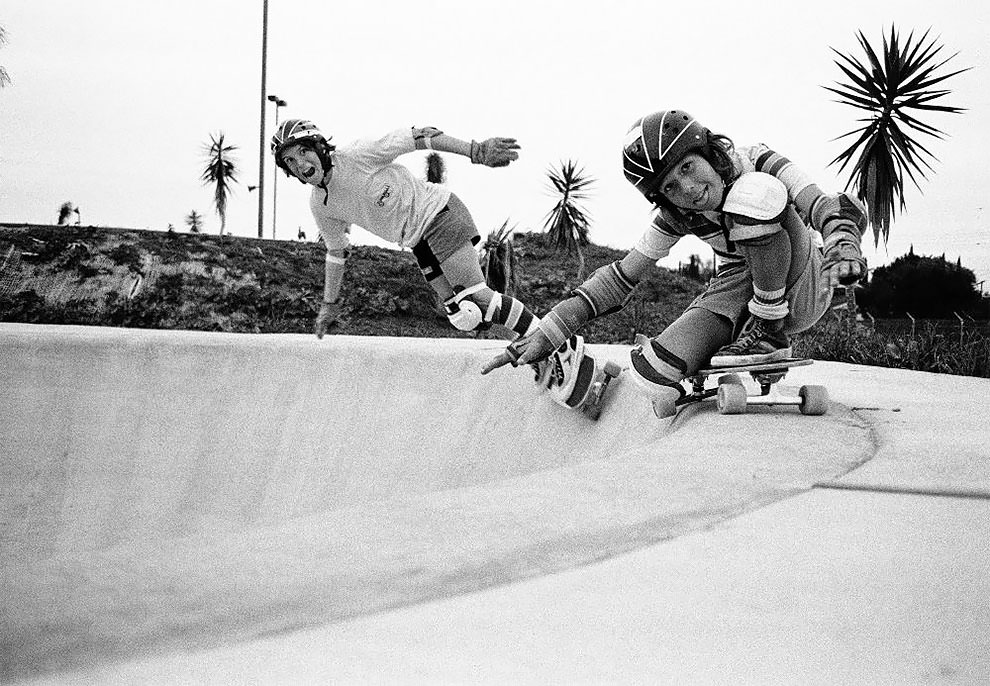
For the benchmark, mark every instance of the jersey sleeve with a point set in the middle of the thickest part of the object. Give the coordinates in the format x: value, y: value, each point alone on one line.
x: 390, y: 146
x: 659, y: 238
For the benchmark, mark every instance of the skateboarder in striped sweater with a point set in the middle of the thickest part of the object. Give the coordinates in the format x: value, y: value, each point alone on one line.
x: 782, y: 245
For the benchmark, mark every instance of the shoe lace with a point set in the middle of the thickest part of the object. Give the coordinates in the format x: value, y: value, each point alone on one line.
x: 748, y: 338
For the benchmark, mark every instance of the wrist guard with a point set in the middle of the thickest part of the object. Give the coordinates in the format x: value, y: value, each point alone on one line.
x: 607, y: 291
x: 564, y: 319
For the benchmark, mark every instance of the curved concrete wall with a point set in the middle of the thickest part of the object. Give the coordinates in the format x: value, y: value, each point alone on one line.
x: 162, y: 488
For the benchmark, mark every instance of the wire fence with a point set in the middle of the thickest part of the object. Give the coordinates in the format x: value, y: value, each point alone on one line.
x: 961, y: 327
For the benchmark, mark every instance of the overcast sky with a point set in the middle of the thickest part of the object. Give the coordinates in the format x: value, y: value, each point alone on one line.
x: 111, y: 101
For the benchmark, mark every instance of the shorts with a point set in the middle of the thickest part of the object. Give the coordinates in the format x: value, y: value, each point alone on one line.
x: 446, y: 234
x: 808, y: 296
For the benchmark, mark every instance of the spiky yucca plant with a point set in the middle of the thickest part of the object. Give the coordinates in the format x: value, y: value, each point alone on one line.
x: 220, y: 170
x: 194, y: 220
x: 891, y: 89
x: 4, y: 76
x: 436, y: 172
x: 567, y: 223
x: 498, y: 260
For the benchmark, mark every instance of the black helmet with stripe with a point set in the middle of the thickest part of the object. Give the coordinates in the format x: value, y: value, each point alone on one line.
x: 655, y: 143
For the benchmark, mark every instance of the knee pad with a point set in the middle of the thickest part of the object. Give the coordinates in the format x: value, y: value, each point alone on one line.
x: 655, y: 369
x: 463, y: 312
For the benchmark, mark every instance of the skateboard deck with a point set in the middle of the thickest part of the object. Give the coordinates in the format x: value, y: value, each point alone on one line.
x: 732, y: 396
x: 590, y: 386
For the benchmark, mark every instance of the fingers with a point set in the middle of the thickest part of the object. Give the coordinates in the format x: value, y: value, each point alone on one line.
x: 844, y: 273
x: 503, y: 358
x: 321, y: 327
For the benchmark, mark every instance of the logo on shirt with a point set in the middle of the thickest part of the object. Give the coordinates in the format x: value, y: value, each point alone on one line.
x: 387, y: 193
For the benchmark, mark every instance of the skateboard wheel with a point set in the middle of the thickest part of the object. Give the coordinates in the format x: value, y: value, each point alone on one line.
x: 612, y: 369
x: 664, y: 408
x: 731, y: 379
x: 731, y: 398
x: 814, y: 400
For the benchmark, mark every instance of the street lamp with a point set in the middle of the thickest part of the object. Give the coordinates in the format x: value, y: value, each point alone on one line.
x: 261, y: 133
x: 279, y: 103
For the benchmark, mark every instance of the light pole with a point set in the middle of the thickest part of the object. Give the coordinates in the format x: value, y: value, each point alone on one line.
x: 261, y: 143
x: 279, y: 102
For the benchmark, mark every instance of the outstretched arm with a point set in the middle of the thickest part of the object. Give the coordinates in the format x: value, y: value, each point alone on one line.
x: 840, y: 218
x: 333, y: 276
x: 493, y: 152
x: 607, y: 291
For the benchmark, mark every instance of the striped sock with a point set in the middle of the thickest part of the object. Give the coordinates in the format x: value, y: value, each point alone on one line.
x: 769, y: 304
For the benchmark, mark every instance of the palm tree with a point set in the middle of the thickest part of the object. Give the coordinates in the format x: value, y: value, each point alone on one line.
x: 194, y: 220
x: 891, y: 89
x: 498, y: 261
x: 4, y: 76
x: 436, y: 172
x: 221, y: 170
x: 567, y: 223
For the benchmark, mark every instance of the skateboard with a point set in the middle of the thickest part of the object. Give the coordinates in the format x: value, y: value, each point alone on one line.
x: 732, y: 397
x: 591, y: 383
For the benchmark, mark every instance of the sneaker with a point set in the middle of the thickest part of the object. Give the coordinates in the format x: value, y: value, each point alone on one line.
x: 761, y: 341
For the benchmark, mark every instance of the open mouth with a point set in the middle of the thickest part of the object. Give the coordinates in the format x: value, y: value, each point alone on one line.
x: 308, y: 173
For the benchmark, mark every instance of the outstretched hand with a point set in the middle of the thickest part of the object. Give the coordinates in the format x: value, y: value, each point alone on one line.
x: 844, y: 268
x: 532, y: 348
x: 494, y: 152
x: 327, y: 317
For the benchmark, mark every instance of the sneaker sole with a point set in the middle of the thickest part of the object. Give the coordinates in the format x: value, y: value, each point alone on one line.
x: 740, y: 360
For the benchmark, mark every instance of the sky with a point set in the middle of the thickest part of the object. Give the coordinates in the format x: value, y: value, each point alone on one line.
x: 112, y: 101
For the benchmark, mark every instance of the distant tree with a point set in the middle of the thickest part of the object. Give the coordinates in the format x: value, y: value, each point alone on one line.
x: 567, y: 223
x: 194, y: 220
x: 4, y: 76
x: 498, y: 260
x: 221, y: 171
x: 891, y: 89
x: 66, y: 210
x: 436, y: 171
x: 925, y: 287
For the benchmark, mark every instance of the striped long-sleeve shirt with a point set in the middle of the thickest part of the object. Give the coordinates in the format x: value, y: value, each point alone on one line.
x: 666, y: 229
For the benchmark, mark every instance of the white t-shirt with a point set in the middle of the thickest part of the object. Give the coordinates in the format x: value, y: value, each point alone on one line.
x: 369, y: 189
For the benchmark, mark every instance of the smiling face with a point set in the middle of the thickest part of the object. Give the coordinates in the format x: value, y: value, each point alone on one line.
x: 304, y: 163
x: 693, y: 184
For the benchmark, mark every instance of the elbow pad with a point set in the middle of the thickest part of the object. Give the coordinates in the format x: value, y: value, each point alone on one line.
x: 607, y: 291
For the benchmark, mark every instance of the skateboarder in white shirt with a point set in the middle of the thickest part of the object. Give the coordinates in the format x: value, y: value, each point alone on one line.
x: 360, y: 184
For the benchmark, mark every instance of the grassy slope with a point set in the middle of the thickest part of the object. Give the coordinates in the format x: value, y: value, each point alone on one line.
x: 152, y: 279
